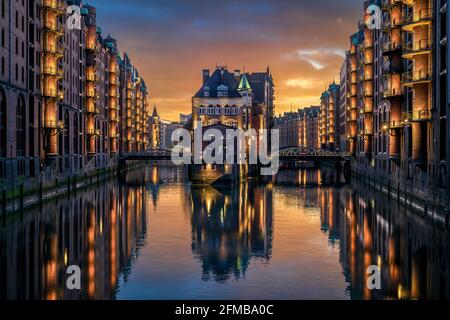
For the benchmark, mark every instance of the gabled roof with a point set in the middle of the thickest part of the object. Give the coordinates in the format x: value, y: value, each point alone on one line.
x: 220, y: 78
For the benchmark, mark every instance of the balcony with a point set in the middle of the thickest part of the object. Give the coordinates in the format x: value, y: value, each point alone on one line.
x: 93, y: 132
x: 388, y: 4
x: 52, y: 71
x: 367, y: 132
x: 417, y: 116
x: 418, y: 18
x: 90, y: 77
x: 113, y: 81
x: 368, y: 59
x: 56, y: 5
x: 422, y: 46
x: 416, y: 77
x: 53, y: 124
x: 392, y: 125
x: 392, y: 93
x: 368, y: 92
x: 53, y: 93
x: 93, y: 110
x: 368, y: 108
x: 113, y: 93
x: 390, y: 48
x: 113, y: 106
x: 393, y: 23
x: 53, y: 26
x: 389, y: 69
x: 50, y: 48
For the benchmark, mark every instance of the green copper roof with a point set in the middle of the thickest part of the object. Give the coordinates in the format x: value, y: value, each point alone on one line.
x: 244, y: 85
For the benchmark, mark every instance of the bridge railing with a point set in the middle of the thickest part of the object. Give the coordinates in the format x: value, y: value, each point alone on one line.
x: 310, y: 152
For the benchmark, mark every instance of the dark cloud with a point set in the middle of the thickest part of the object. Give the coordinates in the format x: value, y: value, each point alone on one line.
x: 170, y: 41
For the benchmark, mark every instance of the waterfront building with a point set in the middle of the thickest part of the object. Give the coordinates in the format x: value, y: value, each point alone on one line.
x: 229, y: 100
x: 61, y: 97
x: 155, y: 129
x: 299, y: 128
x: 185, y: 118
x: 329, y: 119
x: 239, y: 100
x: 397, y: 106
x: 344, y: 92
x: 167, y: 128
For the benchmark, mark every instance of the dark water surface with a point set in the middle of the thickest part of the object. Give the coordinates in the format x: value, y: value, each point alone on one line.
x: 153, y: 236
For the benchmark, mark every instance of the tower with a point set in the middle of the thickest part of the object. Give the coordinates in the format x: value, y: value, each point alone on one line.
x: 155, y: 129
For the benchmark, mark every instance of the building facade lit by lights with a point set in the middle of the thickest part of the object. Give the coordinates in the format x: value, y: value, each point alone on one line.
x: 329, y: 126
x: 69, y: 102
x: 397, y: 110
x: 232, y: 101
x: 299, y: 129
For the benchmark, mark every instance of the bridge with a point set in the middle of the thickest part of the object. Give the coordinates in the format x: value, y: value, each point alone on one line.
x: 289, y: 154
x: 311, y: 154
x: 157, y: 154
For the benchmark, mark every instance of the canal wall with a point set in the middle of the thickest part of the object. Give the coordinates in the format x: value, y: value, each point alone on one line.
x: 32, y: 193
x: 432, y: 202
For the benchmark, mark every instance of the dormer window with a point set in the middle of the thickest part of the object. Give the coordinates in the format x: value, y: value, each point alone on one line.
x: 222, y: 91
x: 206, y: 91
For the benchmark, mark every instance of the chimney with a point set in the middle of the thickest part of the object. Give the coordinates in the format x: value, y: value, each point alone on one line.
x: 237, y: 74
x: 205, y: 76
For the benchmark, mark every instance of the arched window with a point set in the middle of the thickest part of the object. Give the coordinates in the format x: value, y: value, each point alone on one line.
x: 217, y: 110
x: 210, y: 110
x: 227, y: 110
x: 66, y: 133
x: 20, y: 127
x: 76, y: 133
x: 201, y: 110
x: 213, y: 122
x: 2, y: 123
x: 231, y: 123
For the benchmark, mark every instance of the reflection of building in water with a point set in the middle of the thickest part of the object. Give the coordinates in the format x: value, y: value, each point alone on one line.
x: 231, y: 227
x: 154, y: 177
x: 332, y: 220
x: 310, y: 177
x: 412, y: 252
x: 95, y: 231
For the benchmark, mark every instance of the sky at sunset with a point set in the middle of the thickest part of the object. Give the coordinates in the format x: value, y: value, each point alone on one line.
x: 171, y: 41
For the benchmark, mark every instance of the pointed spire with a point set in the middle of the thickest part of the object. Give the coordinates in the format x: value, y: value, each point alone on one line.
x: 155, y: 112
x: 244, y: 85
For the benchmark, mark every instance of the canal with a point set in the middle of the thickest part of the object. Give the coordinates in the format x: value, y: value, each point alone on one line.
x: 150, y: 235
